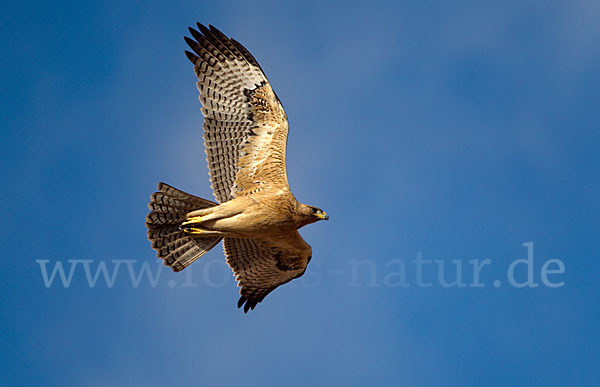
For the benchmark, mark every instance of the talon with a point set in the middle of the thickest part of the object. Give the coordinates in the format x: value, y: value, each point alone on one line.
x: 194, y: 219
x: 192, y: 230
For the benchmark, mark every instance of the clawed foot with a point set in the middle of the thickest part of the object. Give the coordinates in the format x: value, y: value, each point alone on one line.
x: 193, y: 230
x: 190, y: 226
x: 192, y: 220
x: 193, y: 226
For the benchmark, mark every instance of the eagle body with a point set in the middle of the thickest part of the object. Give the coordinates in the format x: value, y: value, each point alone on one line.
x: 245, y: 136
x: 253, y: 216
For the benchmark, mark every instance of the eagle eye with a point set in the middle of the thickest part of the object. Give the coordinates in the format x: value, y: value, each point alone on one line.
x: 315, y: 210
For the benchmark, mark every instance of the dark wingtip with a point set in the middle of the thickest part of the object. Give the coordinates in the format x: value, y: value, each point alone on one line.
x: 247, y: 303
x: 192, y: 57
x: 215, y: 29
x: 192, y: 43
x: 203, y: 29
x: 197, y: 35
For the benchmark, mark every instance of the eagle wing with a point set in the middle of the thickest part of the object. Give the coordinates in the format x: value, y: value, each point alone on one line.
x: 261, y: 265
x: 245, y: 126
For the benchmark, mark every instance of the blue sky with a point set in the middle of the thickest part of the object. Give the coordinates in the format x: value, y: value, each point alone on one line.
x: 454, y: 130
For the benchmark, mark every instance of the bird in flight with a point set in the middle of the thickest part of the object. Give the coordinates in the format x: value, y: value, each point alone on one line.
x: 257, y: 216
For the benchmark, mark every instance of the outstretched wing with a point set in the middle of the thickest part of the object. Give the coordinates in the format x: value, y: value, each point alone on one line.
x: 245, y: 126
x: 261, y: 265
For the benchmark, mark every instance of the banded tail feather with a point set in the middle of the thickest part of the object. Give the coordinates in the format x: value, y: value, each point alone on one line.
x: 168, y: 208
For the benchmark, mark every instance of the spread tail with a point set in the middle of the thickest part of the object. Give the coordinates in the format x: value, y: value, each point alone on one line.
x: 168, y: 208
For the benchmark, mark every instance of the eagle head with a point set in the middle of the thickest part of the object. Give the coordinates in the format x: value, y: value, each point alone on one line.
x: 310, y: 214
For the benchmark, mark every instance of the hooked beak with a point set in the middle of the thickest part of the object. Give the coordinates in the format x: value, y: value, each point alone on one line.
x: 324, y: 216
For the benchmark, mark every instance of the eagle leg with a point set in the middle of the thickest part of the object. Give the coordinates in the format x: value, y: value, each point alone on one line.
x: 199, y: 231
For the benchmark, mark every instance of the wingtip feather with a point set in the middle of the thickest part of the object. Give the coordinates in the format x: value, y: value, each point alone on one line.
x: 203, y: 28
x: 197, y: 35
x: 191, y: 56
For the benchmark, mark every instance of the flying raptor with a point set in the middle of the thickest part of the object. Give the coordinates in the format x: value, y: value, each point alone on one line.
x: 257, y: 216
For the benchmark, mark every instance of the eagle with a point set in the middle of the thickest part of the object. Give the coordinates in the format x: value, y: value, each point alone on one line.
x: 256, y: 215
